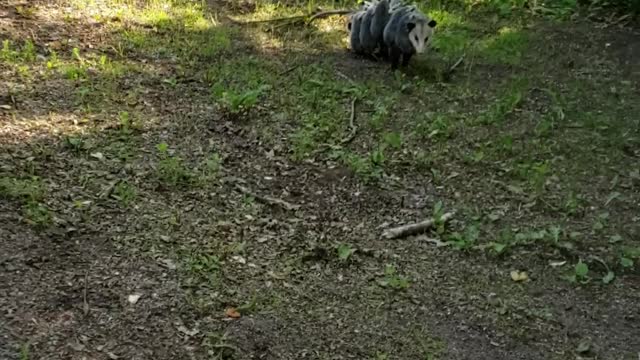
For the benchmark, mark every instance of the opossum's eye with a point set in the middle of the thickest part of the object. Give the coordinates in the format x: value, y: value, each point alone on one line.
x: 432, y: 23
x: 410, y: 26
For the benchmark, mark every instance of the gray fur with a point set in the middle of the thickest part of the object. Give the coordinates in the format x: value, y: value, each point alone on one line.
x: 354, y: 28
x: 397, y: 31
x: 378, y: 22
x: 368, y: 42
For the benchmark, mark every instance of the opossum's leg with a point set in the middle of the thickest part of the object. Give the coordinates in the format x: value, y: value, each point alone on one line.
x: 394, y: 54
x: 405, y: 59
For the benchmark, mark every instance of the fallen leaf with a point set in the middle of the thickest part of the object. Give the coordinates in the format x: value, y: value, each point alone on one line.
x: 239, y: 259
x: 609, y: 277
x: 584, y: 346
x: 557, y: 263
x: 5, y: 107
x: 232, y: 313
x: 519, y: 276
x: 133, y: 298
x: 98, y: 155
x: 186, y: 331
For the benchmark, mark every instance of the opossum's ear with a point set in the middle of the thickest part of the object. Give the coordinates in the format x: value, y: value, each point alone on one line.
x: 410, y: 26
x: 432, y: 23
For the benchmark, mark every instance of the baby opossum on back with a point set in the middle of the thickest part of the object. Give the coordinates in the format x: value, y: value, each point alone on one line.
x: 391, y: 29
x: 359, y: 40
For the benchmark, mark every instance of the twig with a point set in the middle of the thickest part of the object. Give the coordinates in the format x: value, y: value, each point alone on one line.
x: 289, y: 70
x: 352, y: 125
x: 268, y: 199
x: 455, y: 65
x: 416, y: 228
x: 324, y: 14
x: 106, y: 192
x: 436, y: 242
x: 309, y: 17
x: 345, y: 77
x: 348, y: 138
x: 85, y: 303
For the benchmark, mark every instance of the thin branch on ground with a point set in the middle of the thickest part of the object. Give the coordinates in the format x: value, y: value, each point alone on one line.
x: 85, y: 303
x: 267, y: 199
x: 436, y: 242
x: 352, y: 125
x: 308, y: 18
x: 347, y: 139
x: 416, y: 228
x: 455, y: 65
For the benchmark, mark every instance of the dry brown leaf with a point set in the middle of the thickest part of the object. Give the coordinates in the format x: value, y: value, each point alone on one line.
x: 519, y: 276
x: 232, y: 313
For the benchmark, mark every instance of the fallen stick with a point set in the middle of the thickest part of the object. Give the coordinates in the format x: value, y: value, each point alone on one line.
x: 436, y: 242
x: 352, y: 125
x: 309, y: 17
x: 455, y: 65
x: 412, y: 229
x: 347, y: 139
x: 267, y: 199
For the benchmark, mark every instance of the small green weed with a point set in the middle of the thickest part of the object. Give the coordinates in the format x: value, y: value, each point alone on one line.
x: 632, y: 253
x: 125, y: 193
x: 171, y: 169
x: 345, y: 251
x: 436, y: 127
x: 126, y: 124
x: 466, y: 240
x: 204, y: 266
x: 601, y: 222
x: 505, y: 104
x: 238, y: 102
x: 27, y: 12
x: 53, y: 62
x: 21, y: 189
x: 380, y: 355
x: 505, y: 47
x: 24, y: 351
x: 368, y: 168
x: 210, y: 168
x: 437, y: 213
x: 392, y: 279
x: 379, y: 117
x: 76, y: 144
x: 74, y: 72
x: 37, y: 214
x: 393, y: 140
x: 626, y: 262
x: 25, y: 55
x: 580, y: 273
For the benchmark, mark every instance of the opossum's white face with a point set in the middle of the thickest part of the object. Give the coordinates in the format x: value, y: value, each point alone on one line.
x: 420, y: 33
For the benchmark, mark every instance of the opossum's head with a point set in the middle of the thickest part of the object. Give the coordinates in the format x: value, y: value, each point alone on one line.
x: 420, y: 31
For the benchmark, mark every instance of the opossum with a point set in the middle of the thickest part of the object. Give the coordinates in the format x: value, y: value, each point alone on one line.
x: 407, y: 32
x: 353, y: 27
x: 380, y: 18
x: 367, y: 41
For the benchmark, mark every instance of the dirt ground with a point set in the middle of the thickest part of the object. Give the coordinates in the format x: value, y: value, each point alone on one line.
x: 94, y: 276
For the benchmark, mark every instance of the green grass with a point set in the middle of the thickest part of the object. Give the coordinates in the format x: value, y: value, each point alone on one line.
x: 22, y: 189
